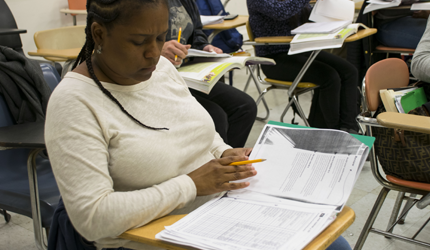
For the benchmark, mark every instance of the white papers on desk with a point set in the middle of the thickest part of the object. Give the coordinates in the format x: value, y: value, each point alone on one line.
x: 202, y: 53
x: 245, y: 222
x: 206, y: 20
x: 380, y: 4
x: 315, y: 166
x: 321, y: 27
x: 299, y: 165
x: 420, y: 6
x: 332, y: 10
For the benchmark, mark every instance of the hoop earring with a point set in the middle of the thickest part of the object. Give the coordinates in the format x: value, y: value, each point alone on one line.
x: 99, y: 50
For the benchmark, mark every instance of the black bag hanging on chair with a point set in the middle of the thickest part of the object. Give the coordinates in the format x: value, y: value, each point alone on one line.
x: 403, y: 154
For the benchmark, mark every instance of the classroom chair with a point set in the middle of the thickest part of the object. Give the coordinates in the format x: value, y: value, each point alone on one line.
x: 375, y: 48
x: 16, y: 168
x: 60, y: 44
x: 10, y: 34
x: 295, y: 89
x: 391, y: 73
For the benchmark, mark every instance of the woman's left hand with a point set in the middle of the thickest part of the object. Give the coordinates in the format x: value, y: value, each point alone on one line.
x: 237, y: 152
x: 210, y: 48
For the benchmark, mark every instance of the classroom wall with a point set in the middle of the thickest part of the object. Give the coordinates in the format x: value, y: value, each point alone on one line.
x: 35, y: 15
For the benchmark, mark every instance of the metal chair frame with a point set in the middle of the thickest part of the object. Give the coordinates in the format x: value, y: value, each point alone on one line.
x: 364, y: 119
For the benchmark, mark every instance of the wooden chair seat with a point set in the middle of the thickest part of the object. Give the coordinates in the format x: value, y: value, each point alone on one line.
x: 286, y: 83
x: 385, y: 49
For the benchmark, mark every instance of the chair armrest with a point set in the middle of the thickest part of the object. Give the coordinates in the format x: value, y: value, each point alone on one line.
x: 361, y: 34
x: 408, y: 122
x: 277, y: 40
x: 4, y: 31
x: 68, y: 54
x: 27, y: 135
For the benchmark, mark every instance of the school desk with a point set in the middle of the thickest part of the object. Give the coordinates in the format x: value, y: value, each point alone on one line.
x: 146, y: 234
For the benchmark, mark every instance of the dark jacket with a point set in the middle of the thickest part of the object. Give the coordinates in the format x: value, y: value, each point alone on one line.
x: 23, y: 86
x: 198, y: 39
x: 62, y: 234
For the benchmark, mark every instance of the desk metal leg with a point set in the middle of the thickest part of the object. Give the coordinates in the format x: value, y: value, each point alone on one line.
x: 212, y: 35
x: 34, y: 196
x: 292, y: 95
x: 261, y: 95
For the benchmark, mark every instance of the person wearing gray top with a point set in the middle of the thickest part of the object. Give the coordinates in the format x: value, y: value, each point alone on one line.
x: 420, y: 66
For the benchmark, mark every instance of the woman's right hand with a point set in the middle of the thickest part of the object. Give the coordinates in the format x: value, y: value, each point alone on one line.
x: 215, y: 176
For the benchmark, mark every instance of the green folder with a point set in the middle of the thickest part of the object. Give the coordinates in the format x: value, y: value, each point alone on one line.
x: 366, y: 140
x: 413, y: 99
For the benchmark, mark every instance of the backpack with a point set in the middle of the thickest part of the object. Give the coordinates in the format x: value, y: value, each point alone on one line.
x: 228, y: 40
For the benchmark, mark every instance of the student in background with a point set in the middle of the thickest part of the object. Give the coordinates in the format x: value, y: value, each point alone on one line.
x: 232, y: 110
x: 335, y: 101
x: 126, y: 140
x: 401, y: 28
x: 420, y: 66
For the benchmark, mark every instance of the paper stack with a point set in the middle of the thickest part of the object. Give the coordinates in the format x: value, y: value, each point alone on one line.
x: 380, y: 4
x: 332, y: 25
x: 306, y: 179
x: 206, y: 20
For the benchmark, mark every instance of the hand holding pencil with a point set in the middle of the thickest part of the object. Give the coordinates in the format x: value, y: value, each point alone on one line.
x: 217, y: 175
x: 173, y: 49
x: 179, y: 41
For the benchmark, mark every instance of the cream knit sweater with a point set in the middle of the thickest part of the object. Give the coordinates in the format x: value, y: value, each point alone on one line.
x: 114, y: 174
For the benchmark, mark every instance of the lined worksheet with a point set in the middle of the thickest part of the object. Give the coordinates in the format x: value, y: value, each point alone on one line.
x: 240, y: 222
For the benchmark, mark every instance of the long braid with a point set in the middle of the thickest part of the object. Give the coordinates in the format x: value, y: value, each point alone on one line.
x: 87, y: 51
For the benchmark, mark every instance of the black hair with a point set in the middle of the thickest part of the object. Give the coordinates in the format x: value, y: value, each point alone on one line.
x: 108, y: 12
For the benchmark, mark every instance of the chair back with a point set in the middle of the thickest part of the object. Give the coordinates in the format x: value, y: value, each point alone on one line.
x: 60, y: 38
x: 77, y: 4
x: 249, y: 30
x: 388, y: 73
x: 50, y: 74
x: 7, y: 21
x: 14, y: 184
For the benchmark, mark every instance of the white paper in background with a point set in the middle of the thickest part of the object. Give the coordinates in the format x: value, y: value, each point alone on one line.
x: 332, y: 10
x: 420, y: 6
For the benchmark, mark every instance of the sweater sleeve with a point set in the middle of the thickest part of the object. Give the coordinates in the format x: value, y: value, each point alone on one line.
x: 420, y: 66
x: 199, y: 39
x: 78, y: 151
x: 277, y: 10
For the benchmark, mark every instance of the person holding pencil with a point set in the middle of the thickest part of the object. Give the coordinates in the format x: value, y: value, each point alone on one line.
x: 233, y: 111
x: 126, y: 140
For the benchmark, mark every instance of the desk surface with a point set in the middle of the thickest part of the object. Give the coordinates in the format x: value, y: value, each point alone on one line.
x: 76, y: 12
x: 28, y: 135
x: 146, y: 234
x: 67, y: 54
x: 287, y: 39
x: 408, y: 122
x: 228, y: 24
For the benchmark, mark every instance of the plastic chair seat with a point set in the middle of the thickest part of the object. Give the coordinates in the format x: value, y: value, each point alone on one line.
x: 14, y: 187
x: 287, y: 83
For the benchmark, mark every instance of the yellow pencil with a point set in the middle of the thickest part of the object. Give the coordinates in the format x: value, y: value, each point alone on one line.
x: 246, y: 162
x: 179, y: 40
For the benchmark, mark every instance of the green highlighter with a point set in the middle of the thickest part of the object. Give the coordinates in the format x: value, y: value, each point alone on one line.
x: 413, y: 99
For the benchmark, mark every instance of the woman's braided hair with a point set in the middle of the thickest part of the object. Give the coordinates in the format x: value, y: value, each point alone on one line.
x: 105, y: 12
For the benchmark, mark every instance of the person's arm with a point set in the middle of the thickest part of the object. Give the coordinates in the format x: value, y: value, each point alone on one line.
x: 420, y: 66
x: 276, y: 9
x: 78, y: 151
x: 198, y: 40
